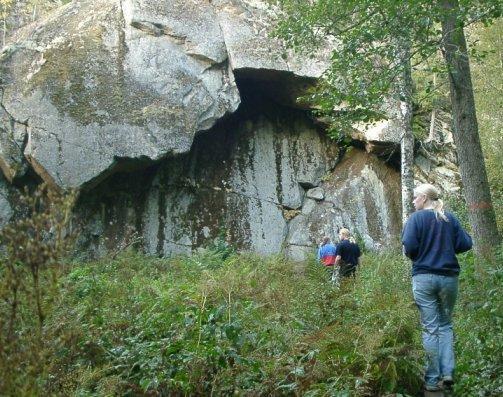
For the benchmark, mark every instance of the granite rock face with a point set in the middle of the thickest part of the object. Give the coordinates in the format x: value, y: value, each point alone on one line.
x: 265, y: 181
x: 6, y: 210
x: 248, y: 189
x: 361, y: 194
x: 435, y: 159
x: 436, y: 163
x: 178, y: 121
x: 12, y: 140
x: 241, y: 180
x: 99, y: 83
x: 246, y: 26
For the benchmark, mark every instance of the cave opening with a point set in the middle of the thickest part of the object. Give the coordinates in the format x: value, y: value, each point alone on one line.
x: 244, y: 177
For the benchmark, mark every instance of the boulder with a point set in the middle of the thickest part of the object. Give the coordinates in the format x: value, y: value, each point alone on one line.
x: 317, y: 193
x: 246, y: 27
x: 382, y: 137
x: 100, y: 82
x: 440, y: 127
x: 362, y: 194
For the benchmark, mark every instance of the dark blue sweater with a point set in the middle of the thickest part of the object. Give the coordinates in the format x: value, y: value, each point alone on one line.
x: 433, y: 243
x: 349, y: 252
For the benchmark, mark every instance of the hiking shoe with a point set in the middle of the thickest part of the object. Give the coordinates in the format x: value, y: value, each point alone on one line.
x: 447, y: 382
x: 435, y: 387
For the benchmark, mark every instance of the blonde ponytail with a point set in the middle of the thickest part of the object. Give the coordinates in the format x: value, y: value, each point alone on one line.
x: 432, y: 196
x: 438, y: 207
x: 346, y: 233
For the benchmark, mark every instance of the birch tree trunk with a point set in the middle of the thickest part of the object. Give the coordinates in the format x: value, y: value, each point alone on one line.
x: 4, y: 32
x: 465, y: 132
x: 404, y: 90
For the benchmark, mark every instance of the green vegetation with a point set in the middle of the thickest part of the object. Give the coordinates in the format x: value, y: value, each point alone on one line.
x: 245, y: 325
x: 488, y: 87
x: 378, y: 44
x: 479, y: 344
x: 222, y: 323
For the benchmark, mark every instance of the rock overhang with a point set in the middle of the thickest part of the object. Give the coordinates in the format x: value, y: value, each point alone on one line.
x: 127, y: 87
x: 131, y: 80
x: 247, y: 176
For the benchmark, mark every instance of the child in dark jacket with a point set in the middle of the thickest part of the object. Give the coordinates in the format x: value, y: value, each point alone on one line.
x: 347, y: 254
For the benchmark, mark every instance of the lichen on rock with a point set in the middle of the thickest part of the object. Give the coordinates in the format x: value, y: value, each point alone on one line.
x: 179, y: 121
x: 92, y: 84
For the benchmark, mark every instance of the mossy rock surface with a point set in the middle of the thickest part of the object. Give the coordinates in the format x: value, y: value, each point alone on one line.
x: 95, y: 84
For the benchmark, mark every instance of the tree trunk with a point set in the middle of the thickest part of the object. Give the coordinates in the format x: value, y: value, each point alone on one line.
x: 465, y: 133
x: 4, y: 32
x: 404, y: 90
x: 34, y: 14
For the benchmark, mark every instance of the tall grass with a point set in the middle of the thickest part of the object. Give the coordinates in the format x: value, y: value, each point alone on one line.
x: 241, y: 325
x: 246, y: 325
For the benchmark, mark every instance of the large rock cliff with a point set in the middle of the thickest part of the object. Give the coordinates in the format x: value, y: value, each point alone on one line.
x: 99, y: 82
x: 178, y: 121
x: 266, y: 180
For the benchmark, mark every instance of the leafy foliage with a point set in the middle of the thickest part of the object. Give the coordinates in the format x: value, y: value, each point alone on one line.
x: 488, y: 87
x: 372, y: 45
x: 197, y: 325
x: 34, y: 247
x: 480, y: 319
x: 367, y: 37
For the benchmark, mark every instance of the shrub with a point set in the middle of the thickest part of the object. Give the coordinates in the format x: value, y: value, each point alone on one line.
x: 34, y: 246
x: 250, y: 325
x: 479, y: 341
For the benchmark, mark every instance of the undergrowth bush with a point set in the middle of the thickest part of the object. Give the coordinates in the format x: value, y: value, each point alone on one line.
x: 479, y: 325
x: 33, y: 248
x: 219, y: 323
x: 241, y: 325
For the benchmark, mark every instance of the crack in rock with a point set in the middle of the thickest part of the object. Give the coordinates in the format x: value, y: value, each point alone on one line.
x: 13, y: 140
x: 230, y: 191
x: 157, y: 30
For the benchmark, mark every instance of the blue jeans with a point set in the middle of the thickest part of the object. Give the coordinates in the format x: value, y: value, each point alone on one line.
x: 435, y: 297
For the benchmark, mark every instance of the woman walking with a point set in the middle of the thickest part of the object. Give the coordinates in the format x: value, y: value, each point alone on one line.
x: 348, y: 254
x: 432, y: 237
